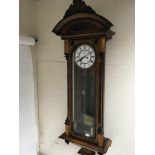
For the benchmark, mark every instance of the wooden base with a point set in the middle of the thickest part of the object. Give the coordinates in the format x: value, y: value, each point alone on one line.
x: 89, y: 145
x: 84, y: 151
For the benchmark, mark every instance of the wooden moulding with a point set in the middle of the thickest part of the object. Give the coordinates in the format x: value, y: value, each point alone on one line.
x: 65, y: 26
x: 100, y: 140
x: 88, y: 145
x: 67, y: 127
x: 67, y: 46
x: 102, y: 45
x: 67, y: 130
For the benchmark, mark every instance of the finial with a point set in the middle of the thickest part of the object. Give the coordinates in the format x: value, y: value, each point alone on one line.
x: 77, y: 1
x: 78, y: 6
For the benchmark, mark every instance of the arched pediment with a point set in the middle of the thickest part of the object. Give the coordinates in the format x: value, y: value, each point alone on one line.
x: 81, y: 20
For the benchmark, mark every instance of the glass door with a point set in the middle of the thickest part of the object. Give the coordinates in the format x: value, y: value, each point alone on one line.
x: 84, y: 107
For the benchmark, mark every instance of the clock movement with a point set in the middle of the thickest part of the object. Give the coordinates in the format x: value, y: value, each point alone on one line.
x: 85, y: 34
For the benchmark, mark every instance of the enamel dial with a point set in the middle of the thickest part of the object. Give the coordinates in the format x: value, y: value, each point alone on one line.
x: 85, y: 56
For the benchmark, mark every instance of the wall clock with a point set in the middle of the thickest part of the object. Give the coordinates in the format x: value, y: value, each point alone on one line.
x: 84, y: 56
x: 85, y: 34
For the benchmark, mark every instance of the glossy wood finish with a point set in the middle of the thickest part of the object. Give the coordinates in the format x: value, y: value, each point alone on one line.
x: 81, y: 25
x: 84, y: 26
x: 99, y: 142
x: 86, y: 144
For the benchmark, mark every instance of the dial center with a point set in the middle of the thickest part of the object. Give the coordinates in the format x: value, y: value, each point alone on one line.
x: 85, y: 56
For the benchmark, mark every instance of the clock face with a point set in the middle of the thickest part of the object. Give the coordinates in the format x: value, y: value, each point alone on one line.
x: 85, y: 56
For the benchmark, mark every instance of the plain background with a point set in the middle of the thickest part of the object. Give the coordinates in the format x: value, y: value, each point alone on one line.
x: 38, y: 18
x: 145, y: 75
x: 28, y: 131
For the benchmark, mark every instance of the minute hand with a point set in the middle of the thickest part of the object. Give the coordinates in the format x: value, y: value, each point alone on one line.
x: 83, y: 57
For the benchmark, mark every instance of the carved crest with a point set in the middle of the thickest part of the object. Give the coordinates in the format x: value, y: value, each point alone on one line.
x: 78, y: 6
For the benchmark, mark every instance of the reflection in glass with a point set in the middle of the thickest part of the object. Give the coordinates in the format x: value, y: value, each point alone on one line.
x: 84, y: 100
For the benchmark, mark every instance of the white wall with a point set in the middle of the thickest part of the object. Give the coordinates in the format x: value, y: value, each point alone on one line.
x: 28, y: 135
x: 27, y: 17
x: 28, y: 81
x: 52, y: 80
x: 39, y: 17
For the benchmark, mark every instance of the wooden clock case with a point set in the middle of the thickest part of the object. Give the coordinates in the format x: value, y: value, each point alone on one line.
x: 79, y: 25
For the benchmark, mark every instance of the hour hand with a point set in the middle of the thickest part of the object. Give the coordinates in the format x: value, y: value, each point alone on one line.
x: 80, y: 59
x: 84, y: 57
